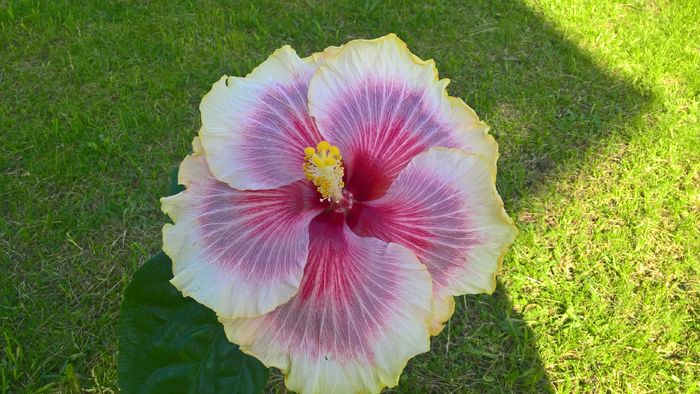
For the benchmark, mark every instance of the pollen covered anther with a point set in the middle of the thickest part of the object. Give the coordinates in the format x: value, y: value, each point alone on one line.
x: 323, y: 166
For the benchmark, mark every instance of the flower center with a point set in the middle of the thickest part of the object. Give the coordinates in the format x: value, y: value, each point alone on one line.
x: 324, y: 168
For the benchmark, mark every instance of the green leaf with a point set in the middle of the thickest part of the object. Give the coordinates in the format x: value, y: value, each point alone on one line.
x: 174, y: 187
x: 172, y: 344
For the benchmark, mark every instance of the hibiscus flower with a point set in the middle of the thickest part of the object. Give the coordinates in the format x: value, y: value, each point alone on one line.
x: 334, y: 206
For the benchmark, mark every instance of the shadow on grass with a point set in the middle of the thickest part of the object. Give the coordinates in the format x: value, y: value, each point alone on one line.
x: 487, y: 347
x: 548, y: 104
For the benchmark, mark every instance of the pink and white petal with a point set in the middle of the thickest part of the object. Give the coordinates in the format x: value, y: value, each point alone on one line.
x: 255, y: 129
x: 362, y: 311
x: 240, y: 253
x: 382, y: 105
x: 444, y: 207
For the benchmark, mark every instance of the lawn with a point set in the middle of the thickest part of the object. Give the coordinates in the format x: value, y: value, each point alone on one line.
x: 595, y: 106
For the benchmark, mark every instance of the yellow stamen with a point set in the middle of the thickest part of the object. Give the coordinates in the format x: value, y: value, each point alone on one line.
x: 324, y: 168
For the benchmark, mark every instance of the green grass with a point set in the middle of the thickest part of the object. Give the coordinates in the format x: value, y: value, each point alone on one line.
x: 595, y: 105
